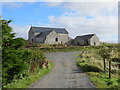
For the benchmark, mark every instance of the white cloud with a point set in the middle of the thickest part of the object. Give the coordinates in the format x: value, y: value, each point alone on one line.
x: 102, y: 25
x: 19, y: 0
x: 51, y: 4
x: 77, y: 21
x: 12, y: 4
x: 60, y: 0
x: 90, y: 8
x: 21, y: 31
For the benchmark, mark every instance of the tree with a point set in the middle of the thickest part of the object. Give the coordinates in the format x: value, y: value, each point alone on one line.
x: 16, y: 60
x: 14, y: 56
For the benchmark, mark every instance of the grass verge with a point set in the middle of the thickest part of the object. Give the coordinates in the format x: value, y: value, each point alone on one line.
x: 97, y: 77
x: 101, y: 80
x: 25, y: 82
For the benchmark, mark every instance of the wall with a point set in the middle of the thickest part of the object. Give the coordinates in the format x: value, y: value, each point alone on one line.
x: 64, y: 38
x: 50, y: 38
x: 40, y: 40
x: 94, y: 39
x: 78, y: 41
x: 31, y: 35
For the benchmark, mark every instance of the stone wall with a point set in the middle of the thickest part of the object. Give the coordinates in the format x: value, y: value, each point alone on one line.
x: 94, y: 40
x: 52, y: 38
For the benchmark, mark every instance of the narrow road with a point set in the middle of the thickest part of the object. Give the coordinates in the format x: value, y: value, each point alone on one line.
x: 65, y: 73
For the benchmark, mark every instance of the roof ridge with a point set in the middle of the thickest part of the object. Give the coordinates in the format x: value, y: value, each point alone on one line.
x: 88, y: 34
x: 48, y: 27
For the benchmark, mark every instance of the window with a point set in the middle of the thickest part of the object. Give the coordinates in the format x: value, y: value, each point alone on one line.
x: 56, y: 39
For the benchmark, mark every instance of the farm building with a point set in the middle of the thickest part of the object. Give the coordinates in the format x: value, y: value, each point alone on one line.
x: 59, y: 36
x: 48, y: 35
x: 90, y: 39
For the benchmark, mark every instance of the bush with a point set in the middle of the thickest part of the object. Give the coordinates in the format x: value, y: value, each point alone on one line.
x: 14, y: 63
x: 37, y: 59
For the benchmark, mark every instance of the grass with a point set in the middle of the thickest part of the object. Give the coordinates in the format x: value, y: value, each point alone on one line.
x: 100, y: 79
x: 25, y: 82
x: 89, y: 67
x: 95, y: 72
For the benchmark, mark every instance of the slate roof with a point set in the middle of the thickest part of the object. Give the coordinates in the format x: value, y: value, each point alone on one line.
x: 86, y: 36
x: 43, y: 29
x: 44, y: 34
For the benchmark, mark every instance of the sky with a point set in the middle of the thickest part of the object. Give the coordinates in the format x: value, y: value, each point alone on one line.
x: 79, y: 18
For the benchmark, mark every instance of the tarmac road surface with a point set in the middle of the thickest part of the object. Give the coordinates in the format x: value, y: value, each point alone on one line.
x: 64, y: 74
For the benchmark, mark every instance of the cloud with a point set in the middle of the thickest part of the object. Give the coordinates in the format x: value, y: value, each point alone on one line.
x: 12, y: 4
x: 90, y: 8
x: 60, y: 0
x: 51, y: 4
x: 83, y: 18
x: 20, y: 0
x: 75, y: 25
x: 21, y: 31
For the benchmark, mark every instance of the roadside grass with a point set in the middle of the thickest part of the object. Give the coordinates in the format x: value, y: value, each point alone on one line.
x: 89, y: 67
x: 26, y: 81
x: 98, y: 78
x: 95, y: 72
x: 101, y: 80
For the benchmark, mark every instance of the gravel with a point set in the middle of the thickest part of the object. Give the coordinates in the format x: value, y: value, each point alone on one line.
x: 65, y: 73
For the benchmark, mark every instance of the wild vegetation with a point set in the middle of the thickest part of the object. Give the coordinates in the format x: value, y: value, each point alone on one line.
x: 19, y: 63
x: 101, y: 65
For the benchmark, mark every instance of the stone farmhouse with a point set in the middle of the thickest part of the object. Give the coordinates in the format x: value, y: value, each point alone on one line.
x: 48, y: 35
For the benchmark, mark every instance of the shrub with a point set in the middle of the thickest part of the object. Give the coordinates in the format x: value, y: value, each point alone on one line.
x: 37, y: 59
x: 14, y: 63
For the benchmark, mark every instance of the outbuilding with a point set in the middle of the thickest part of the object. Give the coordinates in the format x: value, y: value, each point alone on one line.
x: 89, y: 39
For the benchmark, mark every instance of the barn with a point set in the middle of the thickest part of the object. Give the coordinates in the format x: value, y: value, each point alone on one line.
x: 89, y: 39
x: 48, y: 35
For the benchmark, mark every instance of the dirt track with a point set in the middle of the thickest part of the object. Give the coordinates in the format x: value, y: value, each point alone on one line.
x: 65, y: 73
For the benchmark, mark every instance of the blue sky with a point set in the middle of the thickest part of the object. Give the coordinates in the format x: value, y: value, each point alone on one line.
x: 78, y: 18
x: 29, y: 13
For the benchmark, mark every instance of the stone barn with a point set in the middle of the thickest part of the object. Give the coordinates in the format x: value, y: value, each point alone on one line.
x: 90, y: 39
x: 48, y: 35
